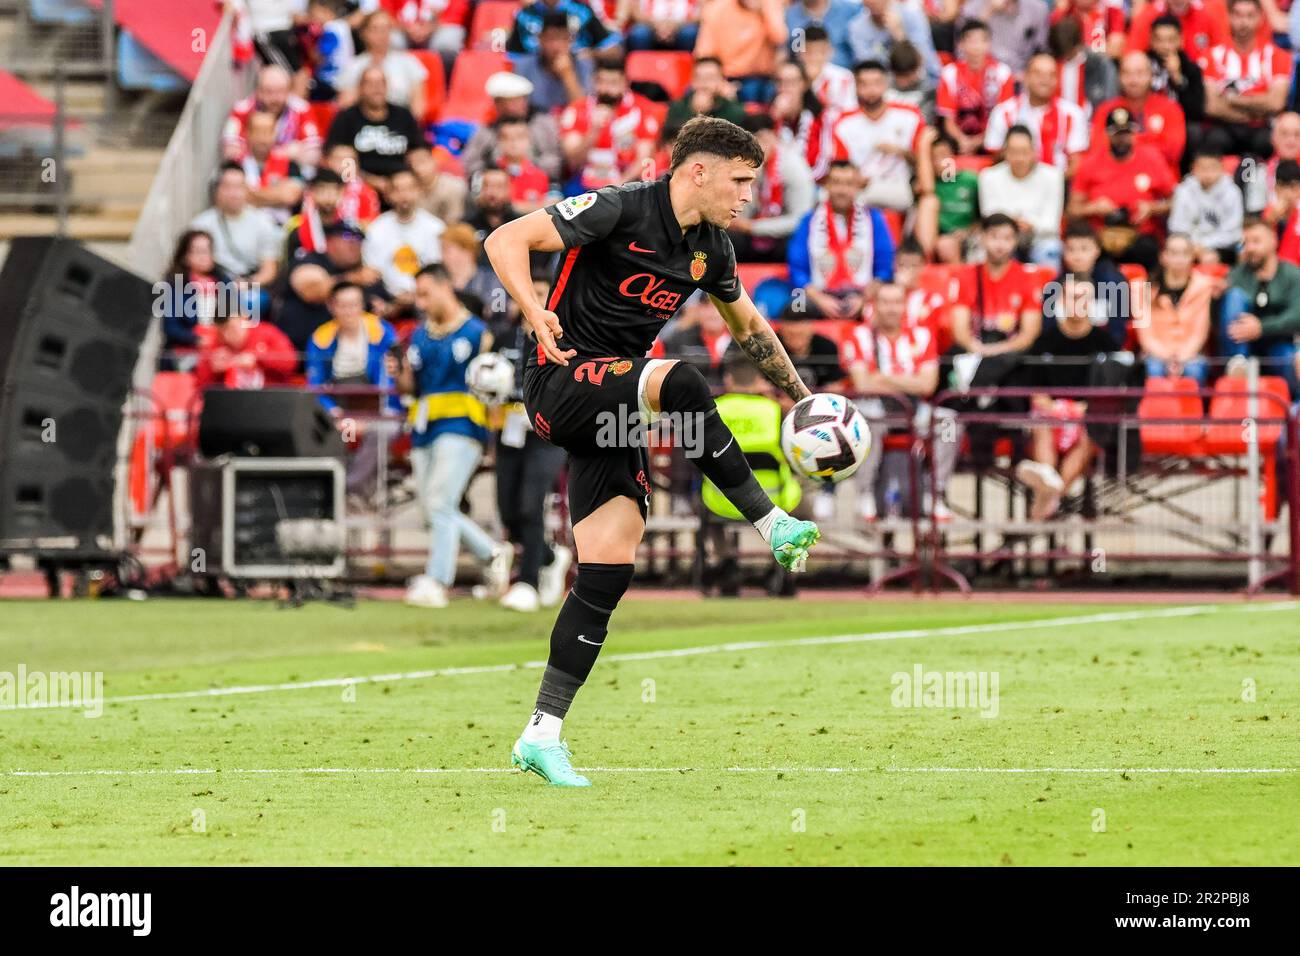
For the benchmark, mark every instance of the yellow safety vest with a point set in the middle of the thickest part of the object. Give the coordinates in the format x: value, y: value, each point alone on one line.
x: 755, y: 420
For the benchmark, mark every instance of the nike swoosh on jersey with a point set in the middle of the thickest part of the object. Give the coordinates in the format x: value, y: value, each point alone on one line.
x: 635, y: 248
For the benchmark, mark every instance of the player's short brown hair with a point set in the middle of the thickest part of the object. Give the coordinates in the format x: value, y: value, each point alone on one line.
x: 716, y: 137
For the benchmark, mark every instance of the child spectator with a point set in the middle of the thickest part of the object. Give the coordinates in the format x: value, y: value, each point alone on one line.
x: 1207, y: 207
x: 949, y: 206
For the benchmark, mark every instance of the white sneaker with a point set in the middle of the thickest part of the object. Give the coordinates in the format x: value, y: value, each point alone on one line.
x: 1040, y: 477
x: 521, y: 597
x: 552, y: 577
x: 496, y: 576
x: 424, y: 591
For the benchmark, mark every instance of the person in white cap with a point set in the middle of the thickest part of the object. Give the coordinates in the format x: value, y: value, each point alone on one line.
x: 510, y: 93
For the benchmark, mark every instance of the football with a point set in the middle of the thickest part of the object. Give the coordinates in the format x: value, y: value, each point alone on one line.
x: 825, y: 437
x: 490, y: 378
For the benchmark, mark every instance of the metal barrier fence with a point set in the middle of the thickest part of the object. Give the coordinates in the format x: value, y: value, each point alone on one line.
x: 1215, y: 506
x: 1163, y: 490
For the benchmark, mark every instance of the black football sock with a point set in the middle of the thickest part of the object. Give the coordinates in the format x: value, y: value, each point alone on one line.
x: 579, y: 633
x: 685, y: 392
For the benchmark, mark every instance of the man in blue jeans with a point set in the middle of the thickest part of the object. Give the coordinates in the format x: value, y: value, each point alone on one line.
x: 1261, y: 308
x: 448, y: 430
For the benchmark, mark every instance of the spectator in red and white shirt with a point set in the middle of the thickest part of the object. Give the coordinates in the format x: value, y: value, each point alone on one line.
x: 970, y: 87
x: 274, y: 180
x: 1283, y: 211
x: 1101, y: 22
x: 929, y: 292
x: 1000, y: 305
x: 1059, y: 127
x: 783, y: 192
x: 1204, y: 24
x: 1246, y: 83
x: 889, y: 358
x: 295, y: 131
x: 359, y: 202
x: 417, y: 20
x: 1085, y: 77
x: 1159, y: 119
x: 529, y: 187
x: 1260, y: 191
x: 608, y: 135
x: 1125, y: 192
x: 803, y: 122
x: 660, y: 24
x: 879, y: 138
x: 831, y: 83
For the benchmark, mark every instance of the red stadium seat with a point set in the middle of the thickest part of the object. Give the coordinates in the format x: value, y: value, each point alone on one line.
x: 491, y: 15
x: 1171, y: 398
x: 435, y: 86
x: 973, y: 163
x: 670, y: 70
x: 322, y: 114
x: 467, y: 99
x: 1216, y: 271
x: 752, y: 273
x: 1230, y: 164
x: 1133, y: 272
x: 1232, y: 401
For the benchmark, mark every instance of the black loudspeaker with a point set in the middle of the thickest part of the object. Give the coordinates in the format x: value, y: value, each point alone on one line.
x: 270, y: 422
x: 71, y: 325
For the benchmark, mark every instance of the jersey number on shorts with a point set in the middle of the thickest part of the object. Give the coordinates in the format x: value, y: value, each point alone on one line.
x: 591, y: 372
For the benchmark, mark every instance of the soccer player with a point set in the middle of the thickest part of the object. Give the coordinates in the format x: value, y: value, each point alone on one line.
x: 633, y: 254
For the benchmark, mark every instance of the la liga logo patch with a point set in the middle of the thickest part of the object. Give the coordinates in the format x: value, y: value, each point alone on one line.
x: 568, y: 208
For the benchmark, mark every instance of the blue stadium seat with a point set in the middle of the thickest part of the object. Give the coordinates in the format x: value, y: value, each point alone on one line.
x: 139, y: 69
x: 68, y: 12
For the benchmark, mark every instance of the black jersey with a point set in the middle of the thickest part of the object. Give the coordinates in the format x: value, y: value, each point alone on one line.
x: 629, y: 268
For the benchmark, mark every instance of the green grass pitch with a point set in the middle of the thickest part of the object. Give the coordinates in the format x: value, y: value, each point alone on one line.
x: 772, y: 752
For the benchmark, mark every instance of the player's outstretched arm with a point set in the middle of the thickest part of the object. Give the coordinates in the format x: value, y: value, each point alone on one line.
x: 755, y: 337
x: 507, y: 248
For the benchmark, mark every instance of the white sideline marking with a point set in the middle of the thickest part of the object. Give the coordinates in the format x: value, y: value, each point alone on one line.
x: 290, y: 771
x: 1190, y: 610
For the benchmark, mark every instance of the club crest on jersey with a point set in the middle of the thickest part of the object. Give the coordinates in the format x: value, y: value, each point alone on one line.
x: 699, y: 265
x: 621, y: 367
x: 568, y: 208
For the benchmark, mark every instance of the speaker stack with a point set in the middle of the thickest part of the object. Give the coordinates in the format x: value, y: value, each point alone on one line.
x: 71, y: 326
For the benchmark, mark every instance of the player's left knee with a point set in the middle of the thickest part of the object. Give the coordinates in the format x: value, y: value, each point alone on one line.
x: 684, y: 389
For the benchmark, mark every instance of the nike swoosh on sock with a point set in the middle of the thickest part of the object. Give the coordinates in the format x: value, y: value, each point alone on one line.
x: 724, y: 447
x: 583, y: 638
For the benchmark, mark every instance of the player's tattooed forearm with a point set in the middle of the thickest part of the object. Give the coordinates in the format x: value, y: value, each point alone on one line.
x: 768, y: 355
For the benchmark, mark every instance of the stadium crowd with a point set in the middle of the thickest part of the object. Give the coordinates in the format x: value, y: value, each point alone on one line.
x: 955, y: 193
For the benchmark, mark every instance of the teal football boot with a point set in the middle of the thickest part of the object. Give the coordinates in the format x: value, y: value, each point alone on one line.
x: 549, y: 759
x: 791, y: 540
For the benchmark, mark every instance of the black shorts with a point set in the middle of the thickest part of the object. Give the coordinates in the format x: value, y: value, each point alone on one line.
x: 587, y: 408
